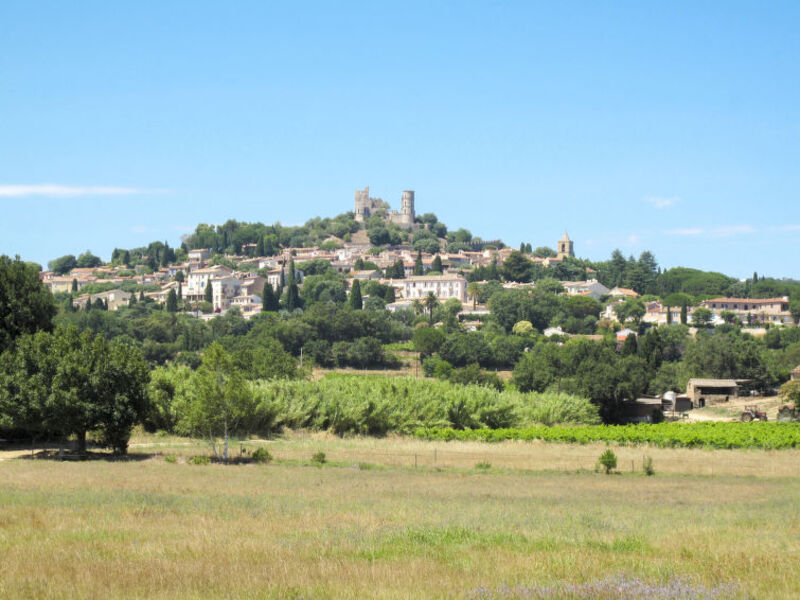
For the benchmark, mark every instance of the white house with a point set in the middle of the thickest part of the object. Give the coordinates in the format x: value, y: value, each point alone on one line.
x: 592, y: 288
x: 443, y: 287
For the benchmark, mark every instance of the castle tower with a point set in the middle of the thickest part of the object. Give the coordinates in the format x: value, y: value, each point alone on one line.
x: 361, y: 210
x: 565, y: 247
x: 407, y: 207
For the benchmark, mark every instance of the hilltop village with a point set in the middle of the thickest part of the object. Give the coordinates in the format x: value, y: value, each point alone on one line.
x: 414, y: 257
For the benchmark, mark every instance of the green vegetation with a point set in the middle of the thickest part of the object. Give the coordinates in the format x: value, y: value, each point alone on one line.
x: 199, y: 404
x: 770, y: 436
x: 608, y: 460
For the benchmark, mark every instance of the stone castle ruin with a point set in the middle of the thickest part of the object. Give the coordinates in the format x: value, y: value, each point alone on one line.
x: 365, y: 206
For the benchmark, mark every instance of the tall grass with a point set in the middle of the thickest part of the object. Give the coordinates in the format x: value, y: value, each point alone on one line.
x: 375, y: 405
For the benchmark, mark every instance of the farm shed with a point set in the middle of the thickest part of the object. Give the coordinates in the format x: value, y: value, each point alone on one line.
x: 705, y: 392
x: 641, y: 410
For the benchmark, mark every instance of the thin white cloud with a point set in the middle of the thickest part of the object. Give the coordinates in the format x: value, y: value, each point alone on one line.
x: 789, y: 228
x: 686, y: 231
x: 53, y: 190
x: 729, y: 230
x: 661, y: 202
x: 715, y: 232
x: 634, y: 239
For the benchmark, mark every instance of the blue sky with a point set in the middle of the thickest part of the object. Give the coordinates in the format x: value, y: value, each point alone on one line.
x: 673, y: 127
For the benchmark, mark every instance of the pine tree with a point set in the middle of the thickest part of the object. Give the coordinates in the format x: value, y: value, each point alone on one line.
x: 418, y: 269
x: 356, y: 303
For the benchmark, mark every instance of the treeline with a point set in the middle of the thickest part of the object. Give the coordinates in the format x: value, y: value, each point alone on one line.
x: 642, y: 275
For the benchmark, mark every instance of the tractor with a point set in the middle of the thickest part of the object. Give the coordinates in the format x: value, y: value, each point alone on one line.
x: 751, y: 413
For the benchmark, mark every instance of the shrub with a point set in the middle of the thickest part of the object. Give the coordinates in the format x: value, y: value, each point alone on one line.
x: 171, y: 459
x: 608, y: 460
x: 648, y: 467
x: 483, y: 466
x: 261, y: 456
x: 199, y: 460
x: 318, y: 458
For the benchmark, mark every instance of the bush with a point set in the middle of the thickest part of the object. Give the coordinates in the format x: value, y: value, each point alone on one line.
x: 608, y: 460
x: 648, y: 467
x: 483, y: 466
x: 199, y: 460
x: 318, y: 458
x: 171, y: 458
x: 261, y: 456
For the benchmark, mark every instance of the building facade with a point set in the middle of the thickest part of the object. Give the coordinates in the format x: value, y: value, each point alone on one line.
x: 443, y: 287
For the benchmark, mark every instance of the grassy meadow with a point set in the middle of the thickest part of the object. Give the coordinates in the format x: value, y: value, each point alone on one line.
x: 367, y: 524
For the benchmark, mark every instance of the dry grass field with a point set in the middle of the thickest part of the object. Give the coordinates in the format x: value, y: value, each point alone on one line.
x: 369, y: 525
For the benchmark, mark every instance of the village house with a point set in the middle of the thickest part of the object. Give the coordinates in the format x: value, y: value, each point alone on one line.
x: 749, y: 310
x: 199, y: 256
x: 443, y: 287
x: 113, y: 299
x: 591, y: 288
x: 623, y: 292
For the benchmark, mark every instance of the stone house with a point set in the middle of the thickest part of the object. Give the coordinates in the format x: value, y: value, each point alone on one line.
x: 705, y: 392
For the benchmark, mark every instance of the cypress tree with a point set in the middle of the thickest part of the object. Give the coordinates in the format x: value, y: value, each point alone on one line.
x: 684, y: 315
x: 292, y: 297
x: 209, y: 294
x: 356, y: 302
x: 389, y: 297
x: 292, y: 294
x: 418, y: 269
x: 74, y: 285
x: 268, y: 300
x: 437, y: 264
x: 172, y: 301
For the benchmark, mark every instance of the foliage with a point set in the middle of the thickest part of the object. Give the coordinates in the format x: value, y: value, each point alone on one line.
x: 378, y: 405
x: 319, y: 458
x: 261, y: 456
x: 221, y: 401
x: 26, y: 306
x: 70, y: 383
x: 608, y: 460
x: 727, y: 435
